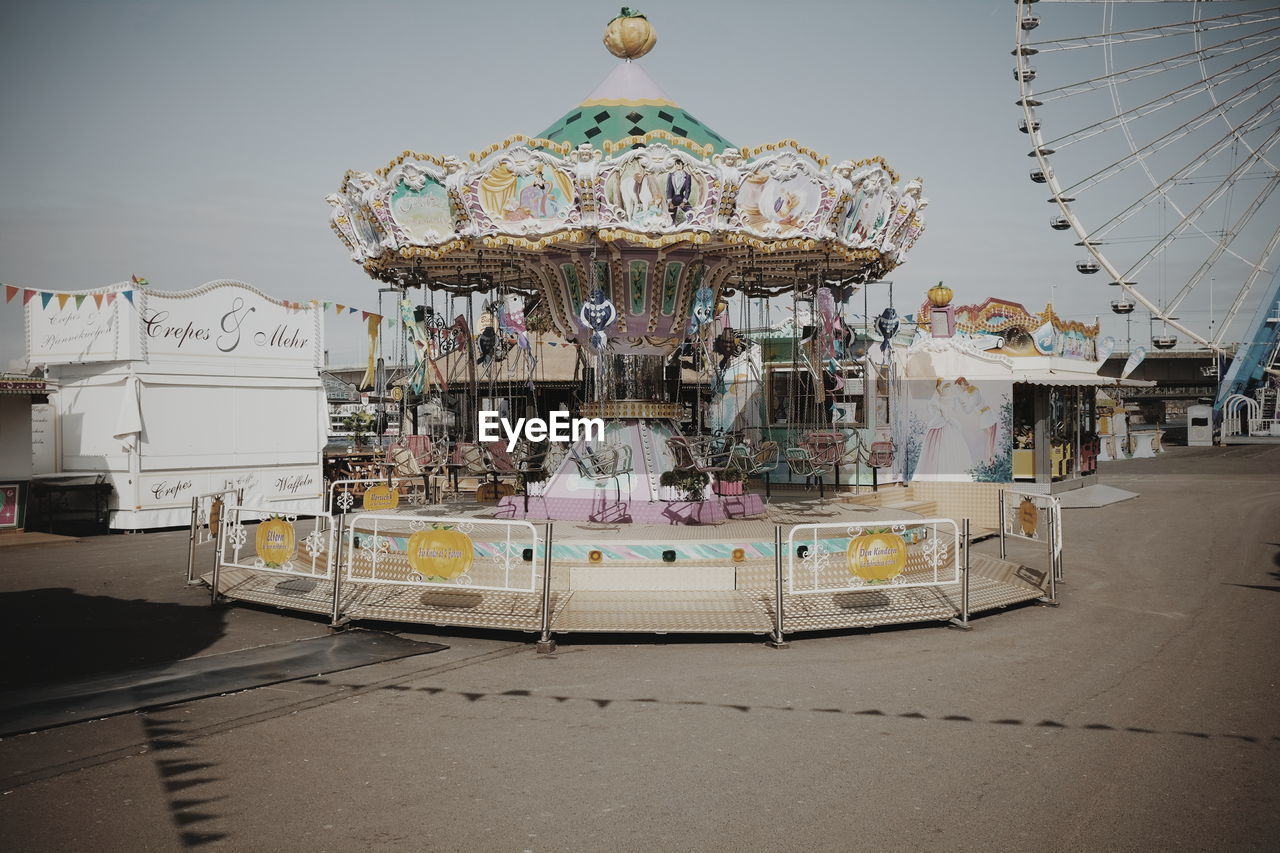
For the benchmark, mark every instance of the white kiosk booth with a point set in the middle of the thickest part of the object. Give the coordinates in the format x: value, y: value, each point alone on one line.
x: 167, y: 396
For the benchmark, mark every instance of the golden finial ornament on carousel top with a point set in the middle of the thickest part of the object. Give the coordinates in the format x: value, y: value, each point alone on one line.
x: 629, y: 35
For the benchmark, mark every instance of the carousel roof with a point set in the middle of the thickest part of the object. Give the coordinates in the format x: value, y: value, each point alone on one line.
x: 628, y: 103
x: 630, y: 199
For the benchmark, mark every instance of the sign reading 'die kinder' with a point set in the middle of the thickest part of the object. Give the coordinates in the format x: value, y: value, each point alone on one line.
x: 877, y: 557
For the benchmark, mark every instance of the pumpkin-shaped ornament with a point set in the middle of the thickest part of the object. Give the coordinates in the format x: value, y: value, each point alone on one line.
x: 877, y: 557
x: 630, y: 35
x: 1028, y: 518
x: 440, y: 554
x: 275, y: 542
x: 381, y: 498
x: 940, y: 295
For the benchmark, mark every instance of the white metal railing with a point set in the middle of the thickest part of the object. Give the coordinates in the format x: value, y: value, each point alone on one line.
x: 342, y: 497
x: 206, y: 515
x: 1239, y: 412
x: 450, y: 553
x: 277, y: 548
x: 869, y: 556
x: 1037, y: 518
x: 899, y: 554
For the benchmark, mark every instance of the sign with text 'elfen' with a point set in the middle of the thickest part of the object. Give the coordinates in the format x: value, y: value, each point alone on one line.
x: 222, y: 320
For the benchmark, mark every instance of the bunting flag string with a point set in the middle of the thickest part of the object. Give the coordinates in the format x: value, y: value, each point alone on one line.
x: 106, y: 299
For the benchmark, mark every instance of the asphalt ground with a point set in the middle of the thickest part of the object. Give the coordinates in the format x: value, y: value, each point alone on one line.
x: 1138, y: 715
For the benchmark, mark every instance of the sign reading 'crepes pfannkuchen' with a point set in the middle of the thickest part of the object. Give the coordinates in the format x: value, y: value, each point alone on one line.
x: 877, y: 556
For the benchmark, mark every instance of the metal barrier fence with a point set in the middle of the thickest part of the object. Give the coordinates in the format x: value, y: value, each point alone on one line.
x: 206, y: 515
x: 835, y: 559
x: 1037, y: 518
x: 853, y: 557
x: 276, y: 548
x: 485, y: 573
x: 343, y: 493
x: 389, y: 565
x: 385, y: 548
x: 447, y: 555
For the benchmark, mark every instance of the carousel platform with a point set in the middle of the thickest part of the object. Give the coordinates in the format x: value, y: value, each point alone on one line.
x: 655, y: 579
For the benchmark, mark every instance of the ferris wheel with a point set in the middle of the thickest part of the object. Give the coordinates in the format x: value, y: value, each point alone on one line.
x: 1152, y: 124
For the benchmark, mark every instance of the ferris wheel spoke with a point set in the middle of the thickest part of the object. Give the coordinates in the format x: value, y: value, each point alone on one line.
x: 1158, y: 31
x: 1160, y: 66
x: 1181, y: 175
x: 1156, y: 104
x: 1228, y: 237
x: 1189, y: 218
x: 1138, y: 154
x: 1258, y: 269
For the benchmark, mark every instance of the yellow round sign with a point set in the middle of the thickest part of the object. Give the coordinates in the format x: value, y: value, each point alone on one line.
x: 440, y: 553
x: 381, y: 497
x: 877, y: 556
x: 1028, y: 517
x: 275, y: 542
x: 397, y: 394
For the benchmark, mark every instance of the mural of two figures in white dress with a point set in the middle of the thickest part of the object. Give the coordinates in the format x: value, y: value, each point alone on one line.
x: 960, y: 431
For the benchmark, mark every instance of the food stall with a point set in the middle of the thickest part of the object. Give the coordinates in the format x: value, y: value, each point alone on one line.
x: 166, y: 396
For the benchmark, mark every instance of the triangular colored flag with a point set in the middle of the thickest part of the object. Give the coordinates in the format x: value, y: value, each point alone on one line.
x: 26, y: 296
x: 352, y: 310
x: 128, y: 294
x: 45, y: 298
x: 80, y: 297
x: 326, y: 305
x: 364, y: 315
x: 97, y: 299
x: 111, y: 297
x: 141, y: 282
x: 340, y: 308
x: 62, y: 300
x: 9, y: 292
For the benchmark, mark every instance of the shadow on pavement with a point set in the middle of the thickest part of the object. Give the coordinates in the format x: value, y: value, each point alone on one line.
x: 56, y: 634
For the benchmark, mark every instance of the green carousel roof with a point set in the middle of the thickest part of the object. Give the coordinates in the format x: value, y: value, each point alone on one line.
x: 629, y: 103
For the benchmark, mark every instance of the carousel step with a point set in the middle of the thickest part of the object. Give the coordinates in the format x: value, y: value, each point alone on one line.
x: 721, y: 612
x: 924, y: 509
x: 886, y: 495
x: 633, y: 577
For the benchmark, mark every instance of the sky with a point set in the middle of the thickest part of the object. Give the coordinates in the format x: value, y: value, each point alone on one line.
x: 191, y: 141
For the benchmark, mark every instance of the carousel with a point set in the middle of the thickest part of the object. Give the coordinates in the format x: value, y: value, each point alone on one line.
x: 709, y: 296
x: 627, y: 228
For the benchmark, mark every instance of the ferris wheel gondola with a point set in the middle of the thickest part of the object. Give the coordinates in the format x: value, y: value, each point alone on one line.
x: 1154, y: 134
